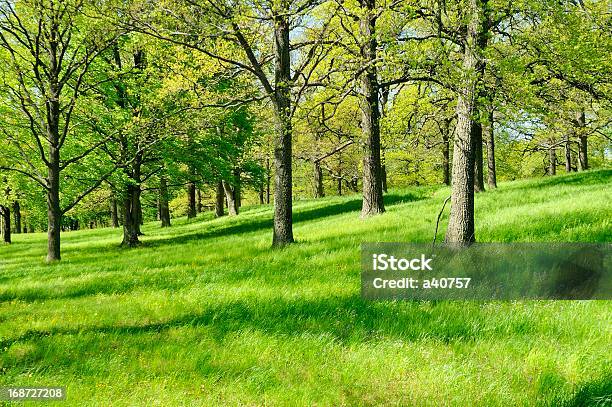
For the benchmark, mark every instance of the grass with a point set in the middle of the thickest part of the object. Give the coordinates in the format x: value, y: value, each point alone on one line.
x: 205, y: 313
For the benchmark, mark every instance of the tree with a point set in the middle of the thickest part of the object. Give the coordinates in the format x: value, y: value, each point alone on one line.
x: 5, y: 214
x: 164, y: 211
x: 460, y: 228
x: 236, y: 29
x: 370, y: 122
x: 48, y: 48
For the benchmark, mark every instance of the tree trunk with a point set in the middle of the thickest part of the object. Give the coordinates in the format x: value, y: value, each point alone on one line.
x: 54, y: 213
x: 138, y: 208
x: 568, y: 155
x: 446, y: 155
x: 191, y: 196
x: 130, y: 218
x: 370, y: 122
x: 5, y: 213
x: 582, y: 141
x: 53, y: 112
x: 17, y: 216
x: 268, y: 178
x: 219, y: 200
x: 164, y: 207
x: 460, y: 228
x: 384, y: 99
x: 478, y: 157
x: 237, y: 188
x: 132, y: 210
x: 232, y: 205
x: 114, y: 214
x: 199, y: 203
x: 283, y: 195
x: 491, y: 171
x: 383, y: 170
x: 582, y: 153
x: 318, y: 180
x: 552, y: 160
x: 483, y: 94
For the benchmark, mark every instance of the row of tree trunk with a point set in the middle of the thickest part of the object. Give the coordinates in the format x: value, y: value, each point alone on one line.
x: 226, y: 194
x: 566, y: 144
x: 5, y: 221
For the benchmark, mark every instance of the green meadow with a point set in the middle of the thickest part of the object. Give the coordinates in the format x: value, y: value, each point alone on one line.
x: 206, y: 313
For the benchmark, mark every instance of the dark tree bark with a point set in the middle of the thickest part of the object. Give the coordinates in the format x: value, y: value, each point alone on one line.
x: 131, y: 229
x: 17, y: 216
x: 164, y: 207
x: 318, y: 191
x: 283, y: 193
x: 552, y: 160
x: 446, y: 152
x: 384, y: 99
x: 568, y: 154
x: 370, y: 123
x: 383, y: 170
x: 232, y: 205
x: 478, y: 157
x: 132, y: 211
x: 220, y: 197
x: 460, y: 228
x: 237, y: 187
x: 483, y: 94
x: 583, y: 159
x: 191, y: 198
x: 268, y: 178
x: 138, y: 206
x: 114, y: 211
x: 119, y: 209
x: 5, y: 213
x: 583, y: 153
x: 491, y: 171
x: 54, y: 213
x: 199, y: 204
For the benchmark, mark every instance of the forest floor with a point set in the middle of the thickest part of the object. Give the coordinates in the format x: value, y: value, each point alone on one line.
x: 206, y: 313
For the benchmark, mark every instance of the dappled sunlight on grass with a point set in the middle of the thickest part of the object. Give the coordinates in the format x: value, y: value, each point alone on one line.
x: 207, y: 311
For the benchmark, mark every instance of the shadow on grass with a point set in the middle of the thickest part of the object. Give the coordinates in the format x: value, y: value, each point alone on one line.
x: 104, y: 286
x: 248, y: 226
x: 575, y: 179
x: 592, y: 394
x: 344, y: 319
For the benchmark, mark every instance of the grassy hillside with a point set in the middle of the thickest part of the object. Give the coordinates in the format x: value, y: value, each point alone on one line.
x: 205, y: 313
